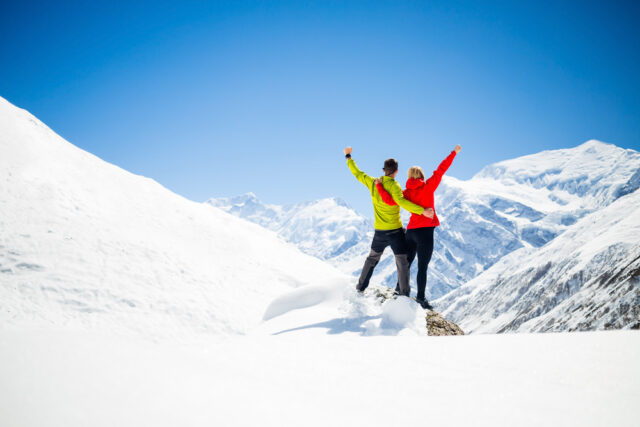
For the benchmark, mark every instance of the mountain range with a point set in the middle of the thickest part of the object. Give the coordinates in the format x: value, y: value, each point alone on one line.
x: 544, y: 242
x: 521, y: 203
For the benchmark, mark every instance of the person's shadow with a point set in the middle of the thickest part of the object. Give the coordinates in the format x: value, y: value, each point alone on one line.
x: 337, y: 326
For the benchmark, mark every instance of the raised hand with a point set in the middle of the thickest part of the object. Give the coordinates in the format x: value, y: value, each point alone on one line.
x: 457, y: 149
x: 428, y: 212
x: 348, y: 150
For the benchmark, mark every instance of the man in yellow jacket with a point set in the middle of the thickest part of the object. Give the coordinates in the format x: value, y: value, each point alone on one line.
x: 387, y: 224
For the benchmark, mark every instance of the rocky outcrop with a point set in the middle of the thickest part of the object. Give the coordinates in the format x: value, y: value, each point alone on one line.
x: 439, y: 326
x: 436, y: 325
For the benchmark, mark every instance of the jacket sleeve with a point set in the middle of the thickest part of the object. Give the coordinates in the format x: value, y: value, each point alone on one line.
x: 435, y: 179
x: 396, y: 193
x: 386, y: 197
x: 360, y: 176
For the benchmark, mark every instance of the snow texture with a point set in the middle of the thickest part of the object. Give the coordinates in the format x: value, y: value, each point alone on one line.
x: 74, y: 380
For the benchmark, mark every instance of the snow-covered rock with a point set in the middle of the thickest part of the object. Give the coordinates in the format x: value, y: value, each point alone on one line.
x: 435, y: 323
x: 85, y: 244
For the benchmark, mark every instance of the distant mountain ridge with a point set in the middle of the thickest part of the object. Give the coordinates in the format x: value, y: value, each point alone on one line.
x: 325, y: 228
x: 519, y: 203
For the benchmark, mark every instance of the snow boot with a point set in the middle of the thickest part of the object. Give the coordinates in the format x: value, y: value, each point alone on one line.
x: 424, y: 303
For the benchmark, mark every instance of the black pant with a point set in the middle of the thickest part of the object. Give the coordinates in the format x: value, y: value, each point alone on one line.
x: 382, y: 239
x: 420, y: 241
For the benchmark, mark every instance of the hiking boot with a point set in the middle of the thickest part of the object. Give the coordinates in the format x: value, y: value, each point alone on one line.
x: 424, y: 303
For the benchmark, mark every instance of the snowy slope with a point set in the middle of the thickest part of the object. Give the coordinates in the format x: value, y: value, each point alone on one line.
x: 587, y: 278
x: 519, y: 203
x: 86, y: 244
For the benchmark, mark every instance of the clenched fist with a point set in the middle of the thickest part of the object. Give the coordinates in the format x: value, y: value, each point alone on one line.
x: 457, y: 149
x: 348, y: 150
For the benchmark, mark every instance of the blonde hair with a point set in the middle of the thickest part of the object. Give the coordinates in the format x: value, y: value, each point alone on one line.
x: 416, y: 172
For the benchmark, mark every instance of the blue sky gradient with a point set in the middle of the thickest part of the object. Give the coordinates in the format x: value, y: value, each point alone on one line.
x: 221, y: 98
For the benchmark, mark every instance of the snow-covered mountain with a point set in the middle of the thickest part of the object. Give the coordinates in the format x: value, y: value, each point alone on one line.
x: 325, y: 228
x: 84, y: 243
x: 520, y: 203
x: 524, y: 202
x: 587, y: 278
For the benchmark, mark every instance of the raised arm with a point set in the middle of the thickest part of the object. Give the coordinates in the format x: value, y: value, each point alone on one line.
x: 435, y: 179
x: 365, y: 179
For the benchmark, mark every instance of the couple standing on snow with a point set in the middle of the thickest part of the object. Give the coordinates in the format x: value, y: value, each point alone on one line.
x: 387, y: 198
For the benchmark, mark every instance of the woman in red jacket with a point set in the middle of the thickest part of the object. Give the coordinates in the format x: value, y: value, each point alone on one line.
x: 420, y: 228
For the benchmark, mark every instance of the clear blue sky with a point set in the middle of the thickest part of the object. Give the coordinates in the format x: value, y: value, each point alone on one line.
x: 221, y: 98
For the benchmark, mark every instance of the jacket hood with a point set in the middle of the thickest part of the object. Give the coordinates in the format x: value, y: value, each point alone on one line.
x: 413, y: 183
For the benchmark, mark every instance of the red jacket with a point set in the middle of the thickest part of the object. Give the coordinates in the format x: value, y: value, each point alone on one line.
x: 421, y: 193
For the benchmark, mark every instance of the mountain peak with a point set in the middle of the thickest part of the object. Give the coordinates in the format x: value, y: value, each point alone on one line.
x: 594, y: 145
x: 250, y: 196
x: 594, y: 168
x: 242, y: 199
x: 340, y: 201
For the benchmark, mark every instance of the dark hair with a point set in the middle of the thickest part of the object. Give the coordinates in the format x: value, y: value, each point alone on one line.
x: 390, y: 166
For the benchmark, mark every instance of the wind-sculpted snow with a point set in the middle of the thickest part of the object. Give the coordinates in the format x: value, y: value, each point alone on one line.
x: 307, y: 296
x: 519, y: 203
x: 337, y: 309
x: 587, y: 278
x: 85, y: 244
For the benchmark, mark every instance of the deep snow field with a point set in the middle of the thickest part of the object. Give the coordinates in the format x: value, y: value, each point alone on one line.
x: 123, y: 304
x: 86, y: 379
